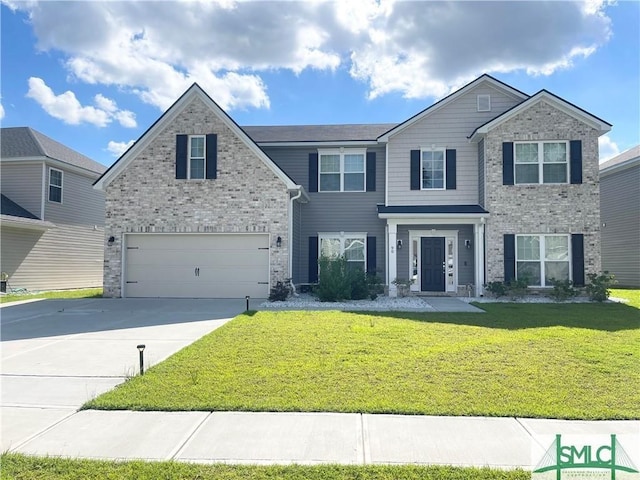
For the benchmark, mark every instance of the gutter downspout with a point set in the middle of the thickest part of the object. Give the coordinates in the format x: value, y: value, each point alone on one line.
x: 292, y: 199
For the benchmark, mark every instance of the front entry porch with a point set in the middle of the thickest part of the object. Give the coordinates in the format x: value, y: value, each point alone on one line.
x: 436, y: 253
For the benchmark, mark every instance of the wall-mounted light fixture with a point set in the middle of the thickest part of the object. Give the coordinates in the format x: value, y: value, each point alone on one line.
x: 467, y: 243
x: 279, y: 242
x: 399, y: 244
x: 111, y: 240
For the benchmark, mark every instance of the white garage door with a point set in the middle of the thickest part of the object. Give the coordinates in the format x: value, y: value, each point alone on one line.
x: 197, y: 265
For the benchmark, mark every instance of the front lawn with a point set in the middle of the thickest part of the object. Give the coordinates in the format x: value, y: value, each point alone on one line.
x: 16, y: 466
x: 83, y: 293
x: 537, y: 360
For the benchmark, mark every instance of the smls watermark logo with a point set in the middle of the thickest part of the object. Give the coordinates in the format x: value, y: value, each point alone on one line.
x: 579, y: 460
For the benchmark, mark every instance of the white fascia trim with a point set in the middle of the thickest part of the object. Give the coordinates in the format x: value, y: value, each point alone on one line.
x: 193, y: 92
x: 344, y: 143
x: 438, y: 105
x: 26, y: 223
x: 558, y: 103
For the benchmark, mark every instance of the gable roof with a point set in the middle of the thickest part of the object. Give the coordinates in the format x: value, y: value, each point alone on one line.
x: 448, y: 99
x: 195, y: 91
x: 25, y: 143
x: 288, y: 134
x: 9, y: 207
x: 626, y: 158
x: 560, y: 103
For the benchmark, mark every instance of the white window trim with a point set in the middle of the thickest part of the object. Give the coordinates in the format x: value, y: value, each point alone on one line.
x: 444, y: 168
x: 342, y: 236
x: 541, y: 163
x: 342, y: 152
x: 204, y: 157
x: 61, y: 186
x: 448, y: 235
x: 543, y: 251
x: 486, y: 97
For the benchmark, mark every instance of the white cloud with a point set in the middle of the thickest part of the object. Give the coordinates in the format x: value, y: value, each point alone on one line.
x: 157, y: 49
x: 67, y: 107
x: 1, y: 112
x: 118, y: 148
x: 608, y: 148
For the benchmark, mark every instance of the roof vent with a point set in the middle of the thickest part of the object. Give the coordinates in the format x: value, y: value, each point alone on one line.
x: 484, y: 103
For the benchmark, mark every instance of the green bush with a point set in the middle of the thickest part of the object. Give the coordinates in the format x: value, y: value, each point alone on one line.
x: 497, y: 289
x: 517, y: 288
x: 337, y: 282
x: 562, y: 290
x: 280, y: 292
x: 600, y: 285
x: 333, y: 280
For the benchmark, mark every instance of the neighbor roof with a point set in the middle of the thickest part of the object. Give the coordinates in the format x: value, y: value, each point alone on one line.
x: 27, y: 143
x: 630, y: 156
x: 317, y: 133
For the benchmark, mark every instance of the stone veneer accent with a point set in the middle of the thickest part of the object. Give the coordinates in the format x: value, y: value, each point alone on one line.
x: 146, y: 197
x: 522, y: 209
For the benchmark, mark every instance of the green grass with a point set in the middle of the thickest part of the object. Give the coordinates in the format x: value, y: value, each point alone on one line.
x: 84, y: 293
x: 632, y: 295
x: 22, y: 467
x: 538, y: 360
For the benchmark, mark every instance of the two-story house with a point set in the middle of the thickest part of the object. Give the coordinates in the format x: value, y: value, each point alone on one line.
x: 487, y: 184
x: 52, y: 219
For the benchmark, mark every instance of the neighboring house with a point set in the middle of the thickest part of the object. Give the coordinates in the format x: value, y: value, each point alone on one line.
x: 620, y: 216
x: 487, y: 184
x: 52, y: 222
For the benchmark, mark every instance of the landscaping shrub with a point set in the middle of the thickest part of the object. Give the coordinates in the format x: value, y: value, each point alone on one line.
x: 517, y: 288
x: 562, y: 290
x: 337, y: 282
x: 497, y: 289
x: 280, y: 292
x: 599, y: 287
x: 333, y: 280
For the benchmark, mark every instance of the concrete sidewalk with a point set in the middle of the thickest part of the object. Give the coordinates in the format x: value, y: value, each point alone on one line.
x: 313, y: 438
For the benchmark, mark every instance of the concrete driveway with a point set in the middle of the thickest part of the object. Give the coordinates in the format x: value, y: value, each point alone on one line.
x: 57, y: 354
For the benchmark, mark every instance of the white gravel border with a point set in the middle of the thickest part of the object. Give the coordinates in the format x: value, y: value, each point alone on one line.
x: 304, y: 301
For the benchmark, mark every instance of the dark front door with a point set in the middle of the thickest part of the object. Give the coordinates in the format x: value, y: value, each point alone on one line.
x: 432, y: 274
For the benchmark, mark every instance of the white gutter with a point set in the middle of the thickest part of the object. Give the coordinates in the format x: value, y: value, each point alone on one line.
x: 292, y: 199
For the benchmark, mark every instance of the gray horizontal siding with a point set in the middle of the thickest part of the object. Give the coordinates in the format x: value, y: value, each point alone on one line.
x: 620, y: 214
x: 64, y: 257
x: 22, y: 183
x: 81, y: 203
x: 448, y: 128
x: 331, y: 211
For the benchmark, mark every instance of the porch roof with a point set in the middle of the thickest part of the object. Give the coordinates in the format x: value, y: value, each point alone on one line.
x: 430, y: 210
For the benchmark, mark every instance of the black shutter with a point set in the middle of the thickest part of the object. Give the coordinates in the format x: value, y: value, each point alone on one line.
x: 181, y: 156
x: 509, y: 257
x: 577, y: 259
x: 575, y: 156
x: 507, y: 163
x: 451, y: 169
x: 313, y: 172
x: 371, y: 171
x: 212, y: 155
x: 371, y: 255
x: 415, y: 169
x: 313, y: 259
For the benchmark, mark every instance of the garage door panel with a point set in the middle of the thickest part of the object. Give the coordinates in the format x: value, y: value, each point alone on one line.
x: 197, y: 265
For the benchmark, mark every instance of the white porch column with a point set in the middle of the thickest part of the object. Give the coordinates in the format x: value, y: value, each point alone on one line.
x: 392, y: 232
x: 478, y: 231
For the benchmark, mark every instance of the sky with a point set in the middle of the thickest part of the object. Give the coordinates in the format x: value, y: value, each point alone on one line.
x: 94, y: 75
